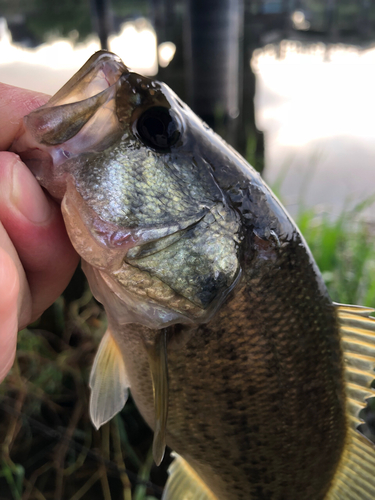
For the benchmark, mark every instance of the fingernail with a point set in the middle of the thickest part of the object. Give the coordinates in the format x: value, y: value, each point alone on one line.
x: 27, y: 196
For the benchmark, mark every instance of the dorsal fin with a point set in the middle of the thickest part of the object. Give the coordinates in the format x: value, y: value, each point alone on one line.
x: 108, y: 382
x: 184, y: 483
x: 355, y: 476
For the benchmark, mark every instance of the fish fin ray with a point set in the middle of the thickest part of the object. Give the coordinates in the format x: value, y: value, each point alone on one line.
x: 108, y: 382
x: 355, y: 476
x: 184, y: 483
x: 157, y: 355
x: 358, y: 341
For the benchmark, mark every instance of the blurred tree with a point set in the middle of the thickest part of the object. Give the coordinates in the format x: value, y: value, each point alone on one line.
x: 167, y: 17
x: 102, y: 20
x: 364, y: 20
x: 59, y: 18
x: 213, y: 34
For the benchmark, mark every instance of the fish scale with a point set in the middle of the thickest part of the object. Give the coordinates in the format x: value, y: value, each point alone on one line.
x: 219, y: 321
x: 283, y: 427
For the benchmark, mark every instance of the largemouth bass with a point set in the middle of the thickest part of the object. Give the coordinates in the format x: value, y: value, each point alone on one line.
x: 219, y: 320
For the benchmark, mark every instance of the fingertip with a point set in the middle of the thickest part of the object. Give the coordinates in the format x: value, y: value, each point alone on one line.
x: 9, y: 291
x: 17, y: 103
x: 28, y: 197
x: 20, y: 191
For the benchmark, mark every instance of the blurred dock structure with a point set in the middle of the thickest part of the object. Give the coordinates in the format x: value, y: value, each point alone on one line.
x: 215, y: 41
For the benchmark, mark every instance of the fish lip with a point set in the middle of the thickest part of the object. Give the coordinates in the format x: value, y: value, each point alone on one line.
x: 170, y: 316
x: 121, y: 239
x: 103, y: 62
x: 133, y: 237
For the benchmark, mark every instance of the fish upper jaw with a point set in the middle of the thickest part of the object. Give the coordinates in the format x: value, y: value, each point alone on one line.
x: 81, y: 117
x: 94, y: 110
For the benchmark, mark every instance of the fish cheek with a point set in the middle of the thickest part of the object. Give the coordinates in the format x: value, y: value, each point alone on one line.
x: 201, y: 266
x: 79, y: 221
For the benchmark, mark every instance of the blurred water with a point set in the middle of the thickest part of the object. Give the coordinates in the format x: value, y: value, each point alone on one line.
x: 316, y: 106
x: 47, y: 67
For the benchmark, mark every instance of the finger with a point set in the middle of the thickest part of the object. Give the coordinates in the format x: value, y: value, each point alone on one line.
x: 15, y: 103
x: 36, y: 228
x: 24, y: 307
x: 9, y: 288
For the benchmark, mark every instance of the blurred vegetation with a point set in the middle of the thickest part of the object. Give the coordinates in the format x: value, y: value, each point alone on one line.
x: 49, y: 448
x: 43, y: 19
x: 344, y: 251
x: 343, y: 247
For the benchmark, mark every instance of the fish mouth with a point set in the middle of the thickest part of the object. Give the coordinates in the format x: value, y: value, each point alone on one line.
x: 80, y: 117
x: 100, y: 72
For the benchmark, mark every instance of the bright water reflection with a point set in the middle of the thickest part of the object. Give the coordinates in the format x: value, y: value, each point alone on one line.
x: 47, y: 67
x: 316, y: 106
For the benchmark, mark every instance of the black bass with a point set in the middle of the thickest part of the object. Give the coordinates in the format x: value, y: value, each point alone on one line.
x: 219, y: 320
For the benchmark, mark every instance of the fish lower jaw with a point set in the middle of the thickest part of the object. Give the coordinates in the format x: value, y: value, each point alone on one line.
x: 151, y: 306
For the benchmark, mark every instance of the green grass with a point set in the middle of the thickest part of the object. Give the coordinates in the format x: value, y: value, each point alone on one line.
x: 344, y: 251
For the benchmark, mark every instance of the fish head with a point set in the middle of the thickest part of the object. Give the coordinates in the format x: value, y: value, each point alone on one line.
x: 135, y: 171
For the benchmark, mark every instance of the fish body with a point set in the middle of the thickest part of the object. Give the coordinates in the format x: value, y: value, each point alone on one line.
x: 219, y: 320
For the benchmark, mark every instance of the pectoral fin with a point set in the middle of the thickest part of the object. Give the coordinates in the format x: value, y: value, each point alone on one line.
x: 184, y: 483
x: 108, y: 382
x: 157, y: 355
x: 355, y: 476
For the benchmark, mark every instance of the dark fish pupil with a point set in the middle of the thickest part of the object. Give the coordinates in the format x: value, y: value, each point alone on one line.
x: 157, y: 129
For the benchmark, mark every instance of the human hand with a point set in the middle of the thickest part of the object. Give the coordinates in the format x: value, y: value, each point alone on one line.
x: 37, y: 259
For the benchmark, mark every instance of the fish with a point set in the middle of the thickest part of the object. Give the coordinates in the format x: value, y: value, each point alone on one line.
x: 219, y: 321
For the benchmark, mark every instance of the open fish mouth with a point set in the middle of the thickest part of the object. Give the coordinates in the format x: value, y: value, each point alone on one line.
x: 140, y: 204
x: 81, y: 116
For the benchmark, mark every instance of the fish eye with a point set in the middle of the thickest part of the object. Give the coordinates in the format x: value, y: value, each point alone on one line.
x: 157, y: 128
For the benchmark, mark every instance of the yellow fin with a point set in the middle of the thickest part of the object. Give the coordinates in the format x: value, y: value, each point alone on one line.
x: 355, y: 477
x: 184, y: 483
x: 157, y: 355
x: 108, y: 382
